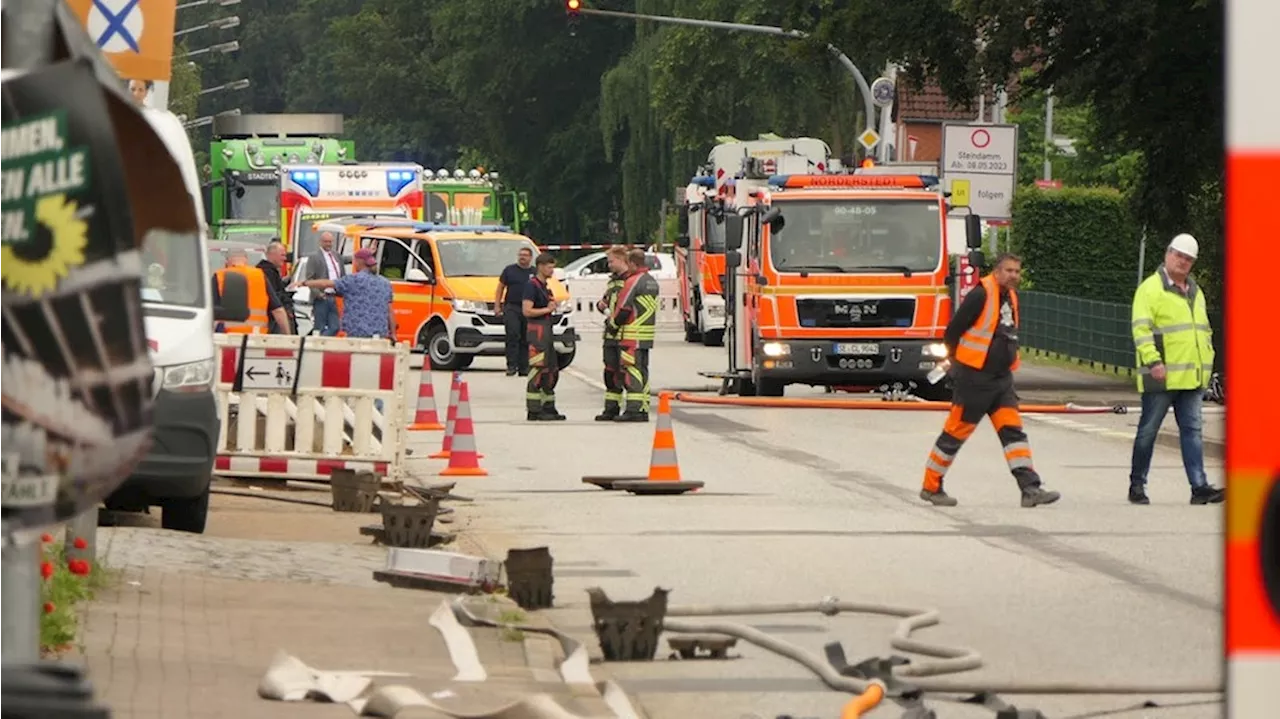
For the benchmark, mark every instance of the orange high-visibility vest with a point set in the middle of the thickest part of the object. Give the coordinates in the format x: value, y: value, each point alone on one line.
x: 256, y: 323
x: 976, y: 340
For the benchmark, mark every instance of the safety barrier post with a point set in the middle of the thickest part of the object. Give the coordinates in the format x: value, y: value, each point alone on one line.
x: 82, y: 530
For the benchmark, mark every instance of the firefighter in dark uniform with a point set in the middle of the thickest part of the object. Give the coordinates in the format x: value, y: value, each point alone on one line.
x: 635, y: 316
x: 982, y: 338
x: 613, y: 372
x: 538, y: 305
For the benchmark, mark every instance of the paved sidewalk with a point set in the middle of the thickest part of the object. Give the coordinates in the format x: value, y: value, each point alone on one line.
x: 193, y: 623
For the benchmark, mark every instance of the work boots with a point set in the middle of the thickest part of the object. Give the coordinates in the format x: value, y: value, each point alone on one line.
x: 1138, y: 495
x: 939, y: 498
x: 632, y: 416
x: 1036, y: 496
x: 549, y: 414
x: 1207, y: 495
x: 608, y: 415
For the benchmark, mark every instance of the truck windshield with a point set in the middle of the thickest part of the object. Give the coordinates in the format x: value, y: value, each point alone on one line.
x: 858, y: 236
x: 172, y: 272
x: 478, y: 258
x: 260, y: 202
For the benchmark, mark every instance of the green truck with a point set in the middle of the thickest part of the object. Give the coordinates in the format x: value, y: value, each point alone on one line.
x: 460, y: 197
x: 247, y: 149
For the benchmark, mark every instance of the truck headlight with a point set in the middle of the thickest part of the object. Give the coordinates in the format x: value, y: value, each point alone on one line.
x: 474, y: 306
x: 564, y: 307
x: 715, y: 310
x: 776, y: 349
x: 189, y: 377
x: 935, y: 349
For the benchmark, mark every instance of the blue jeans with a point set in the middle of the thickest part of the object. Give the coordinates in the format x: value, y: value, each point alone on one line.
x: 324, y: 316
x: 1186, y: 412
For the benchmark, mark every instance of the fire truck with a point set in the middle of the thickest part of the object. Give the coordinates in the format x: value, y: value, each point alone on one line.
x: 700, y: 248
x: 838, y: 280
x: 310, y: 194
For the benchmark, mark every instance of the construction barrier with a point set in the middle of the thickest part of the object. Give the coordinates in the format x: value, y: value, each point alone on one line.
x: 586, y: 291
x: 298, y: 407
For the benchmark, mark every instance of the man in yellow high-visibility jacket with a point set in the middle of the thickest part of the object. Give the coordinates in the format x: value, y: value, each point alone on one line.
x: 1174, y: 343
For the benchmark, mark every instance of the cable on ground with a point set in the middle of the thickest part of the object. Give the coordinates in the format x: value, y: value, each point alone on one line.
x: 874, y: 404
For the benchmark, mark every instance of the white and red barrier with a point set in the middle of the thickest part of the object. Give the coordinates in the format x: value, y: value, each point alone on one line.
x: 300, y: 407
x: 586, y: 291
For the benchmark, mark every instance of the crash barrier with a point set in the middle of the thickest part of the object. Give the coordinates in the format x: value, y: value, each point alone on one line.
x: 881, y: 404
x: 586, y: 291
x: 298, y: 407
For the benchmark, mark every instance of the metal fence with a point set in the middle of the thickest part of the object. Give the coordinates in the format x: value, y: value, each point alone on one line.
x: 1089, y: 330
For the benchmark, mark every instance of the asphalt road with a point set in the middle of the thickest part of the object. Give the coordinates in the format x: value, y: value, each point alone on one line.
x: 801, y: 504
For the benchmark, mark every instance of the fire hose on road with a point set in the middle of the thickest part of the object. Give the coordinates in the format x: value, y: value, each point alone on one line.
x: 855, y: 404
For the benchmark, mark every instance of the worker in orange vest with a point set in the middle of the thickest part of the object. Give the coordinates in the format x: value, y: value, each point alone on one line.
x: 982, y: 339
x: 238, y: 283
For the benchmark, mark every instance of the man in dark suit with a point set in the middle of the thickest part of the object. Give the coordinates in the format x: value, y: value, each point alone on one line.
x: 325, y: 264
x: 271, y: 266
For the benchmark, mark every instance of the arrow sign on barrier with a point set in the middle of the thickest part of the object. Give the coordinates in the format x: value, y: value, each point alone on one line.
x: 265, y: 374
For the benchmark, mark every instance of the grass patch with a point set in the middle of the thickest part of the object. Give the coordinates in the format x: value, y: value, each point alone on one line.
x: 66, y: 583
x: 511, y: 616
x: 1052, y: 359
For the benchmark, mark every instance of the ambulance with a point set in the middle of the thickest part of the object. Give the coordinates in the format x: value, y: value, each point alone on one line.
x: 312, y: 194
x: 700, y: 250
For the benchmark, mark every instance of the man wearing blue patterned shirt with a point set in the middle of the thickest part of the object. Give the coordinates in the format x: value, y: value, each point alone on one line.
x: 366, y: 298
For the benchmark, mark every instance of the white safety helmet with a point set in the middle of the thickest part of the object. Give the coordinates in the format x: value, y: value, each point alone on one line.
x: 1185, y: 244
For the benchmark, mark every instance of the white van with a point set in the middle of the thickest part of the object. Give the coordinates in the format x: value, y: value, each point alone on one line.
x: 178, y: 313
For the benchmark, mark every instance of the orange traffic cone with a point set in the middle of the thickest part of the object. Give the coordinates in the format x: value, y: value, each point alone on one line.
x: 464, y: 461
x: 451, y: 414
x: 664, y: 468
x: 425, y: 416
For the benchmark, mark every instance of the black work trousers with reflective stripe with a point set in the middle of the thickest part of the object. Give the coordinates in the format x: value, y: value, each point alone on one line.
x: 614, y: 376
x: 544, y: 366
x: 635, y: 363
x: 976, y: 395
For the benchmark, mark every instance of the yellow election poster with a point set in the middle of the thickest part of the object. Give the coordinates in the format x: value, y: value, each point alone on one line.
x: 959, y: 193
x: 135, y: 36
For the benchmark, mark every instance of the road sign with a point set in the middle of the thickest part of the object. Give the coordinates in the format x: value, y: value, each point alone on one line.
x: 116, y: 25
x: 261, y: 373
x: 882, y: 92
x: 960, y: 192
x: 869, y: 138
x: 987, y: 157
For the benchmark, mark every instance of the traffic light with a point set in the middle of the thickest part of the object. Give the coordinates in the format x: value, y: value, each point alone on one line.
x: 573, y: 8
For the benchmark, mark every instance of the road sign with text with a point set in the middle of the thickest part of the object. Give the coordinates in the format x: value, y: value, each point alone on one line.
x: 986, y: 157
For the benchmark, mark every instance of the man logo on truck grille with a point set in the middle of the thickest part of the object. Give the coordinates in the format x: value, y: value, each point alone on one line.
x: 816, y: 353
x: 895, y: 354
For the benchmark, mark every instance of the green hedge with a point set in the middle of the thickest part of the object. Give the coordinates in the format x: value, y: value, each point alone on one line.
x: 1080, y: 242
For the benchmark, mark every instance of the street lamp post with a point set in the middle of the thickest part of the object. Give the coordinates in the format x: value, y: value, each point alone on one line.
x: 233, y: 85
x: 222, y: 23
x: 216, y: 3
x: 208, y: 119
x: 858, y: 78
x: 221, y: 48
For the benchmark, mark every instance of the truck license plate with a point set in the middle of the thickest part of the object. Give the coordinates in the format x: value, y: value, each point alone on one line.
x: 857, y: 348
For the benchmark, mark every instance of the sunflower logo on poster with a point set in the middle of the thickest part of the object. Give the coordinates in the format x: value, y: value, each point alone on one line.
x: 75, y: 385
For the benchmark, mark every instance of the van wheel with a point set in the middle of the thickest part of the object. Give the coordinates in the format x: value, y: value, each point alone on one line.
x: 438, y: 346
x: 691, y: 333
x: 713, y: 338
x: 188, y: 514
x: 564, y: 359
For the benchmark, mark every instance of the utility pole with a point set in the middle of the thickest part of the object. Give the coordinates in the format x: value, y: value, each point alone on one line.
x: 1048, y: 134
x: 858, y: 78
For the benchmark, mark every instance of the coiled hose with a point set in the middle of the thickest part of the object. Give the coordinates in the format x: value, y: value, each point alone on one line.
x: 948, y: 660
x: 915, y: 406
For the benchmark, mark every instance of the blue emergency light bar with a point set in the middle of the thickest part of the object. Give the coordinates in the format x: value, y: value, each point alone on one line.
x: 419, y: 226
x: 397, y: 180
x: 906, y: 182
x: 704, y: 181
x: 308, y: 180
